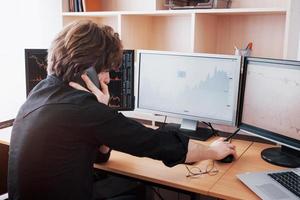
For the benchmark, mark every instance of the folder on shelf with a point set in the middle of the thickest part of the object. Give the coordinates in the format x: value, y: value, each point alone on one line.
x: 91, y: 5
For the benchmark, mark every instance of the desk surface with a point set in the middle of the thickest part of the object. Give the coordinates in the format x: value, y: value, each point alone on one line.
x: 5, y: 134
x: 230, y: 187
x: 155, y: 171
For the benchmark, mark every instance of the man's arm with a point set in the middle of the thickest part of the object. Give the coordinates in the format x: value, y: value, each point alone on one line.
x: 140, y: 141
x: 217, y: 150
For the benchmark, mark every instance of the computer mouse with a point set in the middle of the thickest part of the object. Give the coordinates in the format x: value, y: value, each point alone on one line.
x: 227, y: 159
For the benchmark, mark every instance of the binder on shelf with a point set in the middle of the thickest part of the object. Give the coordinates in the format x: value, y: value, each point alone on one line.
x: 91, y: 5
x: 76, y: 6
x: 80, y: 6
x: 71, y: 5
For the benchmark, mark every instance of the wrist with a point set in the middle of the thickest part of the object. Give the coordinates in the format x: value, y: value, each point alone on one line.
x: 211, y: 153
x: 197, y: 152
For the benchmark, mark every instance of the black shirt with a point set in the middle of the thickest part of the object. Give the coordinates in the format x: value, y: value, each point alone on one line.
x: 56, y: 135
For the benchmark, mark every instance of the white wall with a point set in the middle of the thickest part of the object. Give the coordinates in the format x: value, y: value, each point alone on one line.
x: 24, y: 24
x: 299, y: 48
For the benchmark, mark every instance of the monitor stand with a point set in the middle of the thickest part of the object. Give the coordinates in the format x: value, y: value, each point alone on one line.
x: 282, y: 156
x: 190, y: 129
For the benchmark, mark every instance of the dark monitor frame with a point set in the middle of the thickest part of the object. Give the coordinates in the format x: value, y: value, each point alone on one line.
x: 126, y: 84
x: 127, y: 81
x: 289, y: 145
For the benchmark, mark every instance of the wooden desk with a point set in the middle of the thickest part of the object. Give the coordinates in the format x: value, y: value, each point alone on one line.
x: 230, y: 187
x: 224, y: 185
x: 156, y: 172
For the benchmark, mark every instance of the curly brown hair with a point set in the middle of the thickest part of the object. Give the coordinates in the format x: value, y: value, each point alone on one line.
x: 83, y: 44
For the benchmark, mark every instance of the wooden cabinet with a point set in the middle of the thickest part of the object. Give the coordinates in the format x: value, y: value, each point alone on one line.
x: 272, y: 25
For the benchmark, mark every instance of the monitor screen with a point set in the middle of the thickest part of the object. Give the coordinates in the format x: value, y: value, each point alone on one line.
x: 202, y: 87
x: 121, y: 86
x: 270, y: 100
x: 35, y: 67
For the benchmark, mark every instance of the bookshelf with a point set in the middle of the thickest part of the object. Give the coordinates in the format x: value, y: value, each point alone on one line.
x: 272, y: 25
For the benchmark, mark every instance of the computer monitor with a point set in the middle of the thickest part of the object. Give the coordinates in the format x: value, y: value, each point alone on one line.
x: 190, y: 86
x: 35, y: 67
x: 121, y: 86
x: 270, y: 107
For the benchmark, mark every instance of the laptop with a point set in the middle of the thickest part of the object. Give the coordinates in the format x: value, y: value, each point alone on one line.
x: 273, y: 185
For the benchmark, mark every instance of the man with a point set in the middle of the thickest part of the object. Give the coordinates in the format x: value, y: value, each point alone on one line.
x: 62, y: 126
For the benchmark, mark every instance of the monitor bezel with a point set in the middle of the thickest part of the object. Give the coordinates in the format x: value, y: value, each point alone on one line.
x: 183, y: 116
x: 257, y: 131
x: 128, y: 85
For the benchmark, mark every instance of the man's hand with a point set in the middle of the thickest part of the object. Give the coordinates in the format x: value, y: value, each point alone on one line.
x: 222, y: 149
x: 217, y: 150
x: 102, y: 95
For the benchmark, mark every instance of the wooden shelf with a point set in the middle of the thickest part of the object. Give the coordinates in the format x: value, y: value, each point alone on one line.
x: 272, y: 26
x: 90, y: 14
x: 245, y: 11
x: 238, y: 11
x: 157, y: 32
x: 220, y: 34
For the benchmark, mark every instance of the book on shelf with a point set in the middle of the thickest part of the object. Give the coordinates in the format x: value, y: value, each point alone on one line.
x: 80, y: 6
x: 71, y: 5
x: 76, y: 6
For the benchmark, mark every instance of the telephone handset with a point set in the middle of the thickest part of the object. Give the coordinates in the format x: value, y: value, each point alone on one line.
x: 92, y: 74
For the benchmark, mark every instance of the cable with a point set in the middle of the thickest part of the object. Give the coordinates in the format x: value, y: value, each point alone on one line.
x: 214, y: 131
x: 164, y: 122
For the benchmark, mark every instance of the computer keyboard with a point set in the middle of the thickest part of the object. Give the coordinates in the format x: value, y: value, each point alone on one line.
x: 289, y: 180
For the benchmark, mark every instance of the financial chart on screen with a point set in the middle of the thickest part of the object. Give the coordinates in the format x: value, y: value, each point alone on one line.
x: 271, y: 99
x: 121, y: 86
x: 196, y: 86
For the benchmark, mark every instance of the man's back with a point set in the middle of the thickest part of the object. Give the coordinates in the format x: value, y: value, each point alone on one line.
x: 50, y: 153
x: 56, y: 136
